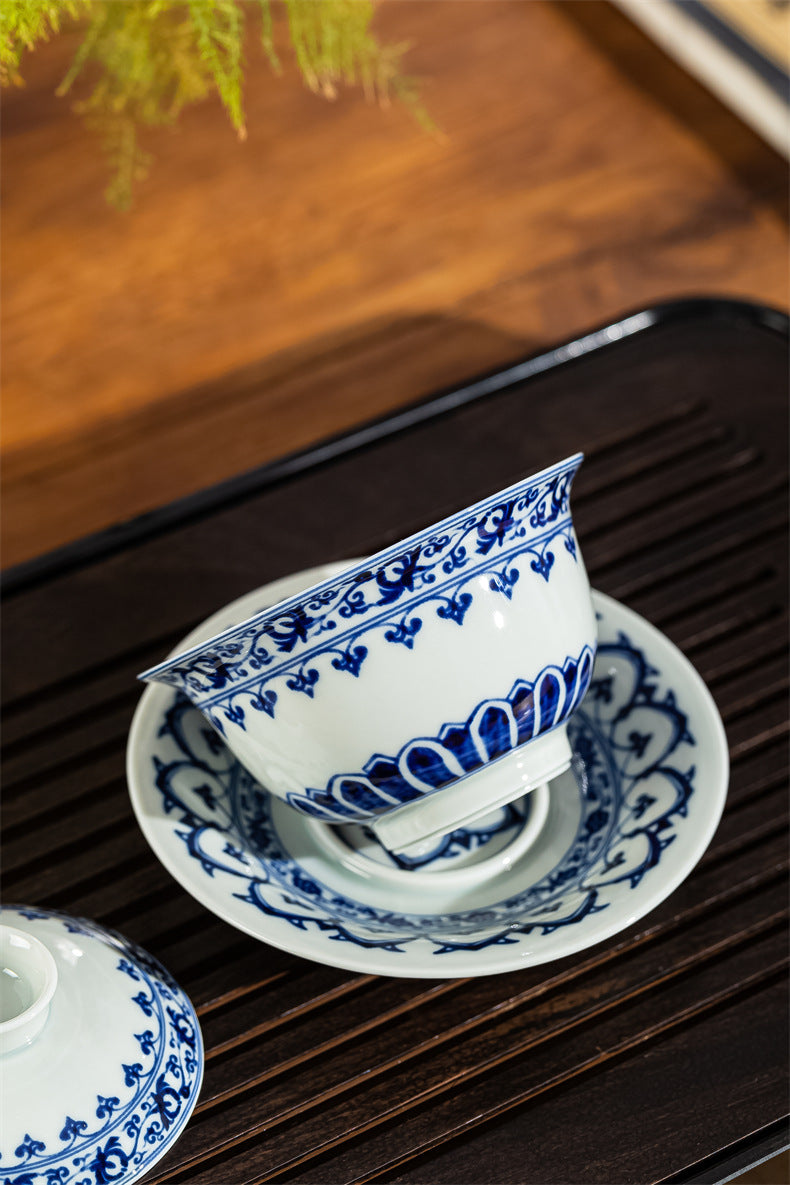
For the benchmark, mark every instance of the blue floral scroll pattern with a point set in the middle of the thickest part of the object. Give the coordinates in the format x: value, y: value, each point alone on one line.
x: 336, y: 624
x: 126, y: 1132
x: 628, y: 738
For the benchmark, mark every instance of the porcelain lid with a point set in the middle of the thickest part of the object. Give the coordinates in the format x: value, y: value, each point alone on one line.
x: 106, y: 1086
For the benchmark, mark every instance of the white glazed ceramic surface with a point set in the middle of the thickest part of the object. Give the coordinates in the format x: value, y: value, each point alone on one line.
x: 107, y: 1085
x: 597, y: 850
x: 28, y: 978
x: 421, y: 687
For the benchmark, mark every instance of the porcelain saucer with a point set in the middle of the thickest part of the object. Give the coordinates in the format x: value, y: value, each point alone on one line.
x: 104, y: 1089
x: 582, y: 859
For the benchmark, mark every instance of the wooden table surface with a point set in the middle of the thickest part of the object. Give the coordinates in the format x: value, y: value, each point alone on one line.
x: 342, y: 262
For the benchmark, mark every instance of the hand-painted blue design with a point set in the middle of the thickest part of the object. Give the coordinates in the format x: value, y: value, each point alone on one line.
x: 425, y: 764
x: 132, y: 1127
x: 127, y: 968
x: 434, y: 573
x: 132, y: 1074
x: 144, y: 1002
x: 76, y: 926
x: 28, y: 1148
x: 629, y: 743
x: 73, y: 1128
x: 109, y: 1162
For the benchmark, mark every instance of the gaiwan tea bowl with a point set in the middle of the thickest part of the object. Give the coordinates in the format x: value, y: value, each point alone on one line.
x: 421, y: 688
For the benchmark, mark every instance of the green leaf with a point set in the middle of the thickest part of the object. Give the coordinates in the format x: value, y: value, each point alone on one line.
x: 149, y: 59
x: 23, y: 23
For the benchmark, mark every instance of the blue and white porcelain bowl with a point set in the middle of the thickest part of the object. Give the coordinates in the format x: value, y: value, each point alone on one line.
x: 560, y: 870
x: 421, y: 688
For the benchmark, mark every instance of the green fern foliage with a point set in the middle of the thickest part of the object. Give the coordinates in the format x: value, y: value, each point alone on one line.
x: 23, y: 23
x: 140, y: 62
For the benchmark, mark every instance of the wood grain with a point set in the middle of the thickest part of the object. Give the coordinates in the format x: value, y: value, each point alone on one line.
x: 342, y: 262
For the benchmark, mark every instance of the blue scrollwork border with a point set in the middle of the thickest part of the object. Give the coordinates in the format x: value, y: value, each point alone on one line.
x: 634, y: 792
x: 278, y: 652
x: 127, y: 1130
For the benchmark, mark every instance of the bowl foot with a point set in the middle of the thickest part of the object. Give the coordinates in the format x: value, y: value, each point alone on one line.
x: 464, y: 856
x: 413, y: 830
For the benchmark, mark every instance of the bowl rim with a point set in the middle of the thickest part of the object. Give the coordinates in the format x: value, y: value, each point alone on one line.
x: 377, y: 560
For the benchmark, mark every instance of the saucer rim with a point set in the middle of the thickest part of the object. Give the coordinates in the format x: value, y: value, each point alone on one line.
x: 492, y: 960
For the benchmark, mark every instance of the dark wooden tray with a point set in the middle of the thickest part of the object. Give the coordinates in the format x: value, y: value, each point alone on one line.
x: 660, y: 1054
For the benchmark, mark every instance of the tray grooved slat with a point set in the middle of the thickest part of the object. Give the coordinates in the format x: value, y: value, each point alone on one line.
x: 747, y: 570
x: 751, y: 734
x: 768, y: 866
x: 132, y: 659
x: 729, y: 656
x: 516, y: 1034
x: 735, y: 612
x: 705, y: 475
x: 704, y: 510
x: 27, y: 770
x: 650, y: 430
x: 645, y: 575
x: 106, y: 814
x: 713, y: 917
x: 316, y: 1074
x: 718, y: 1013
x: 595, y: 1059
x: 610, y: 472
x: 750, y: 775
x: 25, y: 810
x: 265, y: 1010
